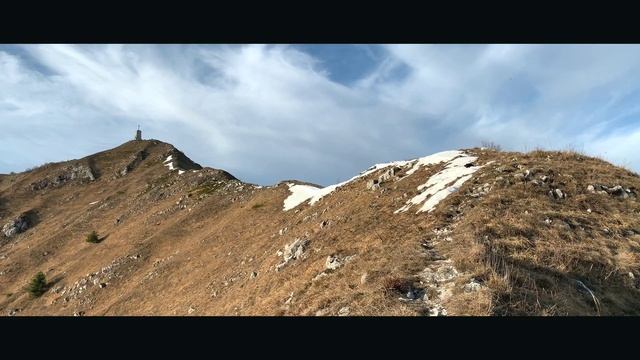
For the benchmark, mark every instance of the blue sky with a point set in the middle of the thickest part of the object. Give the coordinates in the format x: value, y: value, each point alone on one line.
x: 319, y: 113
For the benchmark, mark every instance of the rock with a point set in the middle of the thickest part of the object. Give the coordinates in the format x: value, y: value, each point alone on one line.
x: 441, y: 274
x: 547, y: 221
x: 103, y: 285
x: 387, y: 175
x: 591, y: 189
x: 282, y: 231
x: 293, y: 251
x: 472, y: 286
x: 333, y: 261
x: 544, y: 178
x: 589, y: 210
x: 437, y: 310
x: 191, y: 310
x: 253, y: 275
x: 16, y: 226
x: 373, y: 184
x: 411, y: 295
x: 324, y: 224
x: 78, y: 313
x: 344, y: 311
x: 618, y: 191
x: 322, y: 312
x: 557, y: 194
x: 364, y: 278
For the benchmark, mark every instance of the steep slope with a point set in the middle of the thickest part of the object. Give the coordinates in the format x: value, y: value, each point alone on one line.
x: 474, y: 232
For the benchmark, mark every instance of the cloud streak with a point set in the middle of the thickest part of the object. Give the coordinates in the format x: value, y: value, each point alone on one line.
x: 268, y: 113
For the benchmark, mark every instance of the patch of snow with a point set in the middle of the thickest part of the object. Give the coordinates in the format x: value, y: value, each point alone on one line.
x: 302, y: 193
x: 169, y: 158
x: 180, y: 172
x: 434, y: 159
x: 93, y: 203
x: 438, y: 186
x: 313, y: 194
x: 299, y: 194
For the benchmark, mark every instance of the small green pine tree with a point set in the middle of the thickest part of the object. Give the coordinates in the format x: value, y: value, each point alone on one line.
x: 93, y: 237
x: 38, y: 285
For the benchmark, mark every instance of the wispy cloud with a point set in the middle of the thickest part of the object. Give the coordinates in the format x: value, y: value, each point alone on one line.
x: 268, y: 113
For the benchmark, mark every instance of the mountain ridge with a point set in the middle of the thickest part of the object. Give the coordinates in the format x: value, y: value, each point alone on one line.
x: 461, y: 232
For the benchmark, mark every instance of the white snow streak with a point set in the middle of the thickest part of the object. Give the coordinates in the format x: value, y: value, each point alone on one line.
x: 168, y: 162
x: 299, y: 194
x: 437, y: 186
x: 302, y: 193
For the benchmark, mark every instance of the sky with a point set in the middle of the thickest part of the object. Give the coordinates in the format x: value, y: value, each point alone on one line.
x: 317, y: 113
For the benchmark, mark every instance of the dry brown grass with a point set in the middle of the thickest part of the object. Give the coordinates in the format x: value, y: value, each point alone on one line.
x: 201, y: 256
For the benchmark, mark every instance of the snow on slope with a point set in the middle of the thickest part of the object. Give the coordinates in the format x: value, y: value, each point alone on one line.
x: 302, y: 193
x: 168, y: 162
x: 299, y: 193
x: 437, y: 186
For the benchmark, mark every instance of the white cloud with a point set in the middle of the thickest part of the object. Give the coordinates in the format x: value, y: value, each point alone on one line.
x: 267, y: 113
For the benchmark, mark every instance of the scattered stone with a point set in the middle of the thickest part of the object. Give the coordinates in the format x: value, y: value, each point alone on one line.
x: 589, y: 210
x: 344, y: 311
x: 544, y: 178
x: 472, y: 286
x: 547, y: 221
x: 373, y: 184
x: 324, y: 224
x: 557, y: 194
x: 333, y: 261
x: 191, y: 310
x: 103, y: 285
x: 16, y: 226
x: 78, y: 313
x: 441, y: 274
x: 591, y: 189
x: 437, y: 310
x: 293, y: 251
x: 388, y: 175
x: 253, y: 275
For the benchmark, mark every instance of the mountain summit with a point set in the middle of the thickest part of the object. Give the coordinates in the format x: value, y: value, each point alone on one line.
x: 462, y: 232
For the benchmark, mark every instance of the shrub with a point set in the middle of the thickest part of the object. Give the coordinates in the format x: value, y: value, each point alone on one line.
x: 93, y: 238
x: 491, y: 146
x: 257, y: 206
x: 38, y: 285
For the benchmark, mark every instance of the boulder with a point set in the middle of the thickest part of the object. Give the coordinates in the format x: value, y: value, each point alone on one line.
x: 293, y: 251
x: 334, y: 261
x: 15, y: 226
x: 557, y: 194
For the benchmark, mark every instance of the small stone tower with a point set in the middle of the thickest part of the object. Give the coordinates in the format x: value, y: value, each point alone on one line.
x: 138, y: 133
